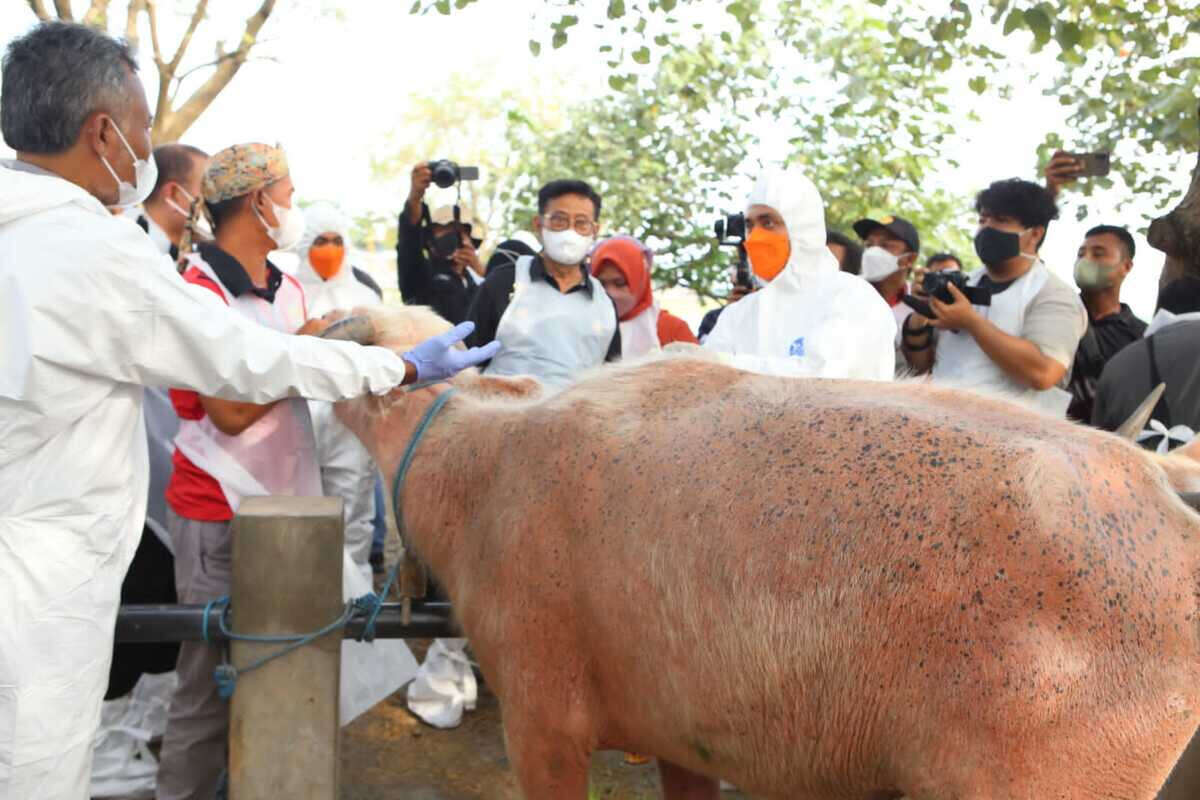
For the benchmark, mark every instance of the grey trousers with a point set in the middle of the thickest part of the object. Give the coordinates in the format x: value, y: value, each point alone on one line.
x: 195, y: 744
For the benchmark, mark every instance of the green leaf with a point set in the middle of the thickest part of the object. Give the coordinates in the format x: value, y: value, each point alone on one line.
x: 1039, y: 23
x: 535, y: 47
x: 559, y: 39
x: 616, y: 9
x: 642, y: 55
x: 1068, y: 35
x: 978, y: 84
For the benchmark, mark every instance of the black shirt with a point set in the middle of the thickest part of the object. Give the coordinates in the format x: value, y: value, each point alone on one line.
x: 233, y: 275
x: 491, y: 301
x: 1171, y: 356
x: 426, y: 283
x: 1104, y: 338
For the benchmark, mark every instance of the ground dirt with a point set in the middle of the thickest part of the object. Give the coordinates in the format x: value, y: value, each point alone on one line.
x: 387, y: 754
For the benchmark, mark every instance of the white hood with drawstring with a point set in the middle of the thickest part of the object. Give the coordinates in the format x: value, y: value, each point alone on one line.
x: 812, y: 320
x: 343, y: 290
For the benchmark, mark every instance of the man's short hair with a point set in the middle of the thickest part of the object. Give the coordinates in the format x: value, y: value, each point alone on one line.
x: 938, y: 258
x: 1180, y: 296
x: 852, y: 263
x: 220, y: 213
x: 555, y: 189
x: 1022, y: 200
x: 1122, y: 236
x: 54, y: 77
x: 176, y: 163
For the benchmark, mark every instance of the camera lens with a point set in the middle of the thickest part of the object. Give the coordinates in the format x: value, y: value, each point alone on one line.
x: 445, y: 173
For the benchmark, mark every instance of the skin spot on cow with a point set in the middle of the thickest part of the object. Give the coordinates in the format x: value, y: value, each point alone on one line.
x: 977, y: 606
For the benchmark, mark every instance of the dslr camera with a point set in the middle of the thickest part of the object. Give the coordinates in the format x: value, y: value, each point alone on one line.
x: 731, y: 232
x: 936, y: 284
x: 446, y: 173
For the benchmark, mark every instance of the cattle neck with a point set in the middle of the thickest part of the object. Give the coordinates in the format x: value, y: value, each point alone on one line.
x: 423, y: 425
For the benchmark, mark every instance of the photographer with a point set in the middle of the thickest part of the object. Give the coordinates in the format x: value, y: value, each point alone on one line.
x: 436, y: 260
x: 1020, y: 335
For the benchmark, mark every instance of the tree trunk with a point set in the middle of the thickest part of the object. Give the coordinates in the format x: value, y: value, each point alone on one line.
x: 1178, y: 234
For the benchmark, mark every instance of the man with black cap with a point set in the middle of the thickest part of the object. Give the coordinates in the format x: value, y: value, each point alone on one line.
x: 890, y: 250
x: 436, y: 255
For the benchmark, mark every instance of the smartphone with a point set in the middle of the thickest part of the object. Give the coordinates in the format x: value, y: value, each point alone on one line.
x: 1094, y: 165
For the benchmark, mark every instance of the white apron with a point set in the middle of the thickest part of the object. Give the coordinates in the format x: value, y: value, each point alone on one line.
x: 276, y: 455
x: 959, y: 359
x: 551, y: 335
x: 639, y: 335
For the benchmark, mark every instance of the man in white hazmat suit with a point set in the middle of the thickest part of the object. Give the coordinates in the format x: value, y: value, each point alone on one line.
x: 811, y: 320
x: 370, y: 670
x: 90, y: 313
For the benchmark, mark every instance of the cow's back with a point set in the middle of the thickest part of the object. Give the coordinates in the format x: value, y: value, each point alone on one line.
x: 867, y: 572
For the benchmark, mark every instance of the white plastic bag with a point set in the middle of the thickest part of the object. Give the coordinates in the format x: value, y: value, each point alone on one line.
x: 371, y: 671
x: 122, y: 764
x: 445, y: 685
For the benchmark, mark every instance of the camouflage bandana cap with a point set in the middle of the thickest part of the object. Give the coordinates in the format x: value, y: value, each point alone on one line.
x: 241, y: 169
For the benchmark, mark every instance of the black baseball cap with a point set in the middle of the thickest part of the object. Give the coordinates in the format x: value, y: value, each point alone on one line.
x: 899, y: 227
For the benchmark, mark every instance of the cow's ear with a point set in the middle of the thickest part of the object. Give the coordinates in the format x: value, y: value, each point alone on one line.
x: 485, y: 386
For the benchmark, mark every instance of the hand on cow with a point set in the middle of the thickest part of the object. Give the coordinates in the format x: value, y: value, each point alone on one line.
x: 957, y: 316
x: 437, y: 359
x: 314, y: 327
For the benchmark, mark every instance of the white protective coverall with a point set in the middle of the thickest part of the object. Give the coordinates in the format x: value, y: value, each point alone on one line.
x: 90, y: 312
x: 812, y: 320
x: 370, y: 671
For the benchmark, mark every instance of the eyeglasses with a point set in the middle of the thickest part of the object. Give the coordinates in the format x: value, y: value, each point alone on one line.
x: 584, y: 226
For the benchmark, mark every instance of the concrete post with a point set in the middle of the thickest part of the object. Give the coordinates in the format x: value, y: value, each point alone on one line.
x: 1184, y: 783
x: 287, y: 579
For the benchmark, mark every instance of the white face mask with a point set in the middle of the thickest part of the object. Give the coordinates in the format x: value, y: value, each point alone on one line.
x: 145, y: 171
x: 181, y: 212
x: 291, y: 224
x: 878, y: 264
x: 566, y: 247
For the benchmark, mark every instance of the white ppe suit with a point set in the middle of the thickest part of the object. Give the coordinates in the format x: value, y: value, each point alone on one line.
x: 370, y: 671
x: 812, y: 320
x: 90, y: 312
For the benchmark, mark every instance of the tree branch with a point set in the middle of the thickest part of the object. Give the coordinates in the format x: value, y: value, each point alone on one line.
x: 97, y: 15
x: 176, y: 122
x: 38, y: 7
x: 152, y: 15
x: 131, y: 28
x: 197, y: 15
x: 63, y: 7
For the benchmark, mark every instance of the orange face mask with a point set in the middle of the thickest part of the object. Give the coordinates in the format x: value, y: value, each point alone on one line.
x: 768, y: 252
x: 326, y: 259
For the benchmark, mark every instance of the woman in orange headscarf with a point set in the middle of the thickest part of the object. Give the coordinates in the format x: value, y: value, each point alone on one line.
x: 622, y: 265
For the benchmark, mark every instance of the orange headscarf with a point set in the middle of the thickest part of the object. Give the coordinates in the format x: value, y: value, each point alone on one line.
x: 633, y: 259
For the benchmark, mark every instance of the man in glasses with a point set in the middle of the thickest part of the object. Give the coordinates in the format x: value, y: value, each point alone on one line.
x: 553, y: 319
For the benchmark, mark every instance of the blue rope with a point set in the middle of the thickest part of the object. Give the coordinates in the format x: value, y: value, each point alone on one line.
x: 370, y: 604
x: 411, y: 450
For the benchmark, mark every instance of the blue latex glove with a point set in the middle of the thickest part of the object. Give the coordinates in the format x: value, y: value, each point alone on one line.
x: 437, y: 359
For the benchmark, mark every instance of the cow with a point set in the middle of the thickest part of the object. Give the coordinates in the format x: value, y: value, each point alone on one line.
x: 822, y: 589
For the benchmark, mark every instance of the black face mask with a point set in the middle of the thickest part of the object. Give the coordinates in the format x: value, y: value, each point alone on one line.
x: 994, y: 247
x: 443, y: 247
